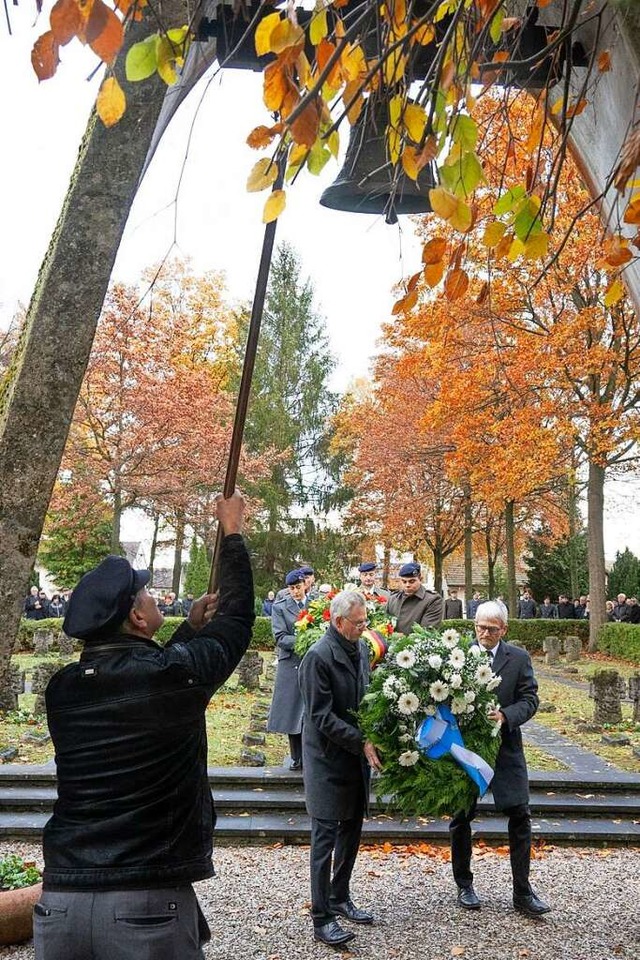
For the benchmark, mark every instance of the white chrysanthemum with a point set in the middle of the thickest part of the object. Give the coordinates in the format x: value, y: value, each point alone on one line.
x: 476, y: 650
x: 405, y: 738
x: 408, y: 758
x: 494, y: 682
x: 457, y: 658
x: 469, y: 696
x: 456, y: 681
x: 439, y: 691
x: 496, y: 730
x: 484, y: 674
x: 458, y: 705
x: 450, y: 638
x: 405, y: 659
x: 408, y: 703
x: 435, y: 661
x: 430, y: 710
x: 470, y: 708
x: 389, y: 688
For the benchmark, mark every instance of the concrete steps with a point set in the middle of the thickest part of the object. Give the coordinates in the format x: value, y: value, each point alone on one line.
x: 267, y: 805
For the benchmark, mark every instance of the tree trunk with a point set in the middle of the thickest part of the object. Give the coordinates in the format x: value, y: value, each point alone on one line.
x: 468, y: 550
x: 40, y: 388
x: 595, y: 547
x: 437, y: 571
x: 177, y: 554
x: 572, y: 511
x: 154, y: 547
x: 509, y: 536
x: 386, y: 566
x: 116, y: 524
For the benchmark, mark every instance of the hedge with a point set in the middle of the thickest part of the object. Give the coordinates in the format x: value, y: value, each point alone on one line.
x: 262, y: 638
x: 620, y: 640
x: 531, y: 633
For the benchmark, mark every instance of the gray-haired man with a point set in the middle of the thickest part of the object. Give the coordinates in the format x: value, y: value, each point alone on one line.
x: 336, y: 762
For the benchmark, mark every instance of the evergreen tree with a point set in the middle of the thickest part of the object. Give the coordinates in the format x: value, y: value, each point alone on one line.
x: 624, y: 576
x: 288, y: 415
x: 197, y: 578
x: 549, y: 567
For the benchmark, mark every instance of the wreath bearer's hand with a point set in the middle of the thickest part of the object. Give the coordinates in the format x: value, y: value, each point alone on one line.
x: 371, y: 754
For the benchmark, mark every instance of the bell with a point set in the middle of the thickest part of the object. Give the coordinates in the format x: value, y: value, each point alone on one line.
x: 366, y: 183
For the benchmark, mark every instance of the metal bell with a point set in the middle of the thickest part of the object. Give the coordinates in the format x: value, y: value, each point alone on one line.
x: 366, y: 183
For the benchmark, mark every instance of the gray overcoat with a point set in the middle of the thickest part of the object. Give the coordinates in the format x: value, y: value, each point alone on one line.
x: 424, y: 607
x: 517, y: 696
x: 285, y: 715
x: 336, y: 773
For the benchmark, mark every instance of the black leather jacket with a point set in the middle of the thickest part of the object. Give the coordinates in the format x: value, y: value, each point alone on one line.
x: 134, y: 807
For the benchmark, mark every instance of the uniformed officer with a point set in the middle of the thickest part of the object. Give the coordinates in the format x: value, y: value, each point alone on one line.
x: 310, y: 583
x: 414, y: 603
x: 285, y: 715
x: 367, y: 571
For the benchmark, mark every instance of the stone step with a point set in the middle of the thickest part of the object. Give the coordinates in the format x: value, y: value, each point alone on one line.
x: 267, y: 828
x: 258, y: 800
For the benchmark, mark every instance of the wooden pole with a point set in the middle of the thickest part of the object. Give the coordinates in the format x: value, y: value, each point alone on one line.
x: 247, y: 376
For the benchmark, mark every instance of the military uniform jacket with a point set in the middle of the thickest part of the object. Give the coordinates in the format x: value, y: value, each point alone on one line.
x: 336, y: 773
x: 517, y: 696
x: 424, y: 607
x: 285, y: 715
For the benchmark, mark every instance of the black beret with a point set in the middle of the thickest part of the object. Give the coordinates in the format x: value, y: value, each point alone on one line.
x: 306, y: 571
x: 410, y: 570
x: 293, y: 577
x: 102, y: 600
x: 367, y: 567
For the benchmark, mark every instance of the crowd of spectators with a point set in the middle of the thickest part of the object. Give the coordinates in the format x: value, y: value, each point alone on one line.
x: 38, y: 606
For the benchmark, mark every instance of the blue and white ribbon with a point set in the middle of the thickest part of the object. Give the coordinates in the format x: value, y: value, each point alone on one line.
x: 440, y: 734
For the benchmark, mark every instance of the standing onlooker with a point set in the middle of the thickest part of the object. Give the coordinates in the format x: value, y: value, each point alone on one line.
x: 566, y: 610
x: 527, y: 607
x: 582, y: 608
x: 57, y: 607
x: 609, y: 608
x: 285, y: 715
x: 44, y: 603
x: 472, y: 605
x: 186, y: 603
x: 32, y: 607
x: 267, y: 603
x: 548, y: 610
x: 453, y: 606
x: 66, y: 597
x: 414, y: 603
x: 620, y: 609
x: 634, y: 610
x: 333, y: 678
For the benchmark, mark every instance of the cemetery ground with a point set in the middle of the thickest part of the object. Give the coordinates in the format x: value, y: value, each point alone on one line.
x: 565, y: 708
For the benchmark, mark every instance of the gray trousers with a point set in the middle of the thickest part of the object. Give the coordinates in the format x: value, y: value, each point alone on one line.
x: 161, y: 924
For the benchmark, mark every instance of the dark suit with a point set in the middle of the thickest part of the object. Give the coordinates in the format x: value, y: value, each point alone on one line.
x: 423, y: 607
x: 285, y: 715
x: 453, y: 608
x: 566, y: 611
x: 336, y: 774
x: 518, y: 699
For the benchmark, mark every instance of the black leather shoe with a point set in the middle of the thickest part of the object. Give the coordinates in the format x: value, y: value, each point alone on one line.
x: 530, y: 905
x: 296, y: 765
x: 349, y: 910
x: 468, y: 898
x: 332, y: 934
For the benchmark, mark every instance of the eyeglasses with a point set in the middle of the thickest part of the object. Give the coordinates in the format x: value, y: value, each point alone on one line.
x: 357, y: 623
x: 484, y: 628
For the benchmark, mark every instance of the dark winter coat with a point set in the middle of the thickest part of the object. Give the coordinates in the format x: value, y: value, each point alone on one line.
x: 621, y: 612
x: 285, y: 715
x: 424, y: 607
x: 518, y: 700
x: 453, y: 609
x: 548, y: 611
x: 527, y: 609
x: 134, y: 807
x: 32, y: 612
x: 566, y: 611
x: 336, y: 773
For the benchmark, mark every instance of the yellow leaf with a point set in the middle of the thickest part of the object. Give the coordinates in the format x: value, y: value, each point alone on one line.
x: 318, y: 28
x: 516, y: 249
x: 493, y: 234
x: 353, y: 62
x: 262, y: 175
x: 395, y: 110
x: 286, y: 34
x: 274, y: 206
x: 263, y: 33
x: 425, y: 34
x: 410, y: 163
x: 462, y: 218
x: 632, y: 213
x: 415, y: 120
x: 297, y: 154
x: 615, y: 293
x: 111, y: 102
x: 536, y: 247
x: 333, y: 142
x: 394, y: 144
x: 442, y: 202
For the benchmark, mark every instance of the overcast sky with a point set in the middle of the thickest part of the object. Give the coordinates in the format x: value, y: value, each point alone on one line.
x: 353, y: 260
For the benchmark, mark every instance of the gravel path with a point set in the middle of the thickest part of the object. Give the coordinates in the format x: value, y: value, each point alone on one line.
x: 257, y: 907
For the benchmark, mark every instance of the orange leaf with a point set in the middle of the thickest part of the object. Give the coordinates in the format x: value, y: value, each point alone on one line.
x: 44, y: 56
x: 455, y: 284
x: 66, y: 21
x: 324, y: 51
x: 262, y: 136
x: 104, y: 32
x: 276, y: 84
x: 632, y: 213
x: 306, y: 126
x: 484, y: 293
x: 576, y: 109
x: 433, y: 273
x: 434, y: 250
x: 629, y: 159
x: 111, y: 102
x: 604, y: 61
